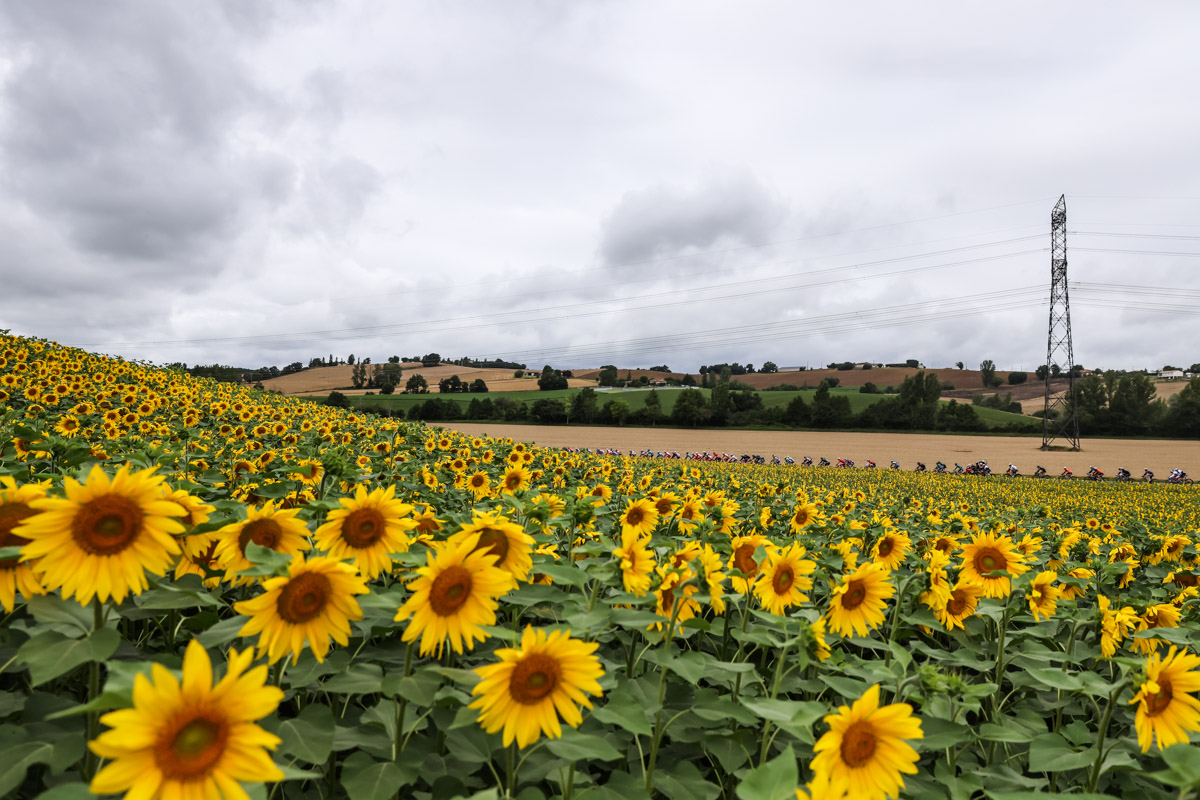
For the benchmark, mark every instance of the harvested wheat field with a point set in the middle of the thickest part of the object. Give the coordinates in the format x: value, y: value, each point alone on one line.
x: 1160, y: 456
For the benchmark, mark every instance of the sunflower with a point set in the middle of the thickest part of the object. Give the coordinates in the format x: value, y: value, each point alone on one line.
x: 103, y: 536
x: 367, y: 528
x: 986, y: 558
x: 640, y: 517
x: 817, y: 643
x: 14, y: 507
x: 802, y: 516
x: 714, y: 578
x: 199, y: 553
x: 1043, y: 596
x: 515, y: 479
x: 507, y: 541
x: 822, y: 787
x: 1166, y: 709
x: 637, y: 563
x: 674, y: 596
x: 269, y: 526
x: 530, y: 687
x: 1161, y: 615
x: 1114, y: 625
x: 784, y: 579
x: 453, y: 596
x: 867, y: 747
x: 1069, y: 591
x: 891, y: 549
x: 742, y: 560
x: 857, y: 603
x: 964, y: 597
x: 193, y: 739
x: 480, y: 485
x: 314, y: 603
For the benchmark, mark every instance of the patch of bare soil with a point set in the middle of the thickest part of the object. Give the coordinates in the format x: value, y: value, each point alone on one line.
x: 1160, y: 456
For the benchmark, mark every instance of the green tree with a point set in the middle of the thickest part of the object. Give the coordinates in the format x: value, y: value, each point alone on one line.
x: 584, y: 406
x: 549, y: 411
x: 769, y: 366
x: 608, y: 375
x: 416, y: 384
x: 337, y: 400
x: 1133, y: 405
x: 551, y: 379
x: 829, y: 410
x: 1183, y: 416
x: 653, y: 406
x: 720, y: 405
x: 688, y: 380
x: 615, y: 412
x: 988, y: 372
x: 1015, y: 378
x: 958, y: 364
x: 478, y: 386
x: 1041, y: 372
x: 690, y: 408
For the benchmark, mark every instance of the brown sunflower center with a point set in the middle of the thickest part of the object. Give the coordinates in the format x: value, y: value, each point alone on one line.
x: 634, y: 516
x: 858, y: 743
x: 494, y: 543
x: 854, y: 595
x: 801, y: 517
x: 743, y: 559
x: 534, y: 677
x: 263, y: 532
x: 191, y: 751
x: 663, y: 506
x: 107, y: 525
x: 450, y: 590
x: 886, y: 545
x: 989, y: 560
x: 783, y: 580
x: 1157, y: 703
x: 512, y: 481
x: 363, y: 527
x: 11, y: 515
x: 957, y: 603
x: 304, y: 597
x: 944, y: 545
x: 206, y: 556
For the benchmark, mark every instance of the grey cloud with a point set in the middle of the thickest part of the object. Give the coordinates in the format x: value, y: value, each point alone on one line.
x: 666, y: 220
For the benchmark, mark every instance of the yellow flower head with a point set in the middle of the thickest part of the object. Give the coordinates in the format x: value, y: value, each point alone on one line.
x: 1166, y: 709
x: 101, y: 539
x: 547, y: 677
x: 857, y: 603
x: 367, y: 528
x: 784, y: 579
x: 190, y: 739
x: 867, y: 747
x: 507, y: 541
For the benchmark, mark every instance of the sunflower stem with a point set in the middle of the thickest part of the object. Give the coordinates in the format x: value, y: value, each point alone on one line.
x: 93, y: 719
x: 402, y: 706
x: 510, y: 757
x: 1000, y: 635
x: 779, y: 659
x: 569, y: 788
x: 662, y: 693
x: 1094, y: 777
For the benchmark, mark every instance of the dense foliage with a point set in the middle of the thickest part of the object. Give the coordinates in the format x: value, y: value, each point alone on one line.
x: 397, y: 609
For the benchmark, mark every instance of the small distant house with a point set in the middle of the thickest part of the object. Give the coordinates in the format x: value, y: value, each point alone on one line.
x: 1169, y: 374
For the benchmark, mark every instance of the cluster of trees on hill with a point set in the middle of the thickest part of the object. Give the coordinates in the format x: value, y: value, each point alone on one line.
x: 1126, y: 404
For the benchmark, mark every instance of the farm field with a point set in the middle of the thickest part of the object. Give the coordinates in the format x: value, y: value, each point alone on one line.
x: 320, y: 380
x: 636, y: 400
x: 214, y: 590
x: 1161, y: 456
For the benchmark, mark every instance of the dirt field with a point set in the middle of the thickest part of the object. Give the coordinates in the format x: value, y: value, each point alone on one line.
x: 1107, y: 454
x: 321, y: 380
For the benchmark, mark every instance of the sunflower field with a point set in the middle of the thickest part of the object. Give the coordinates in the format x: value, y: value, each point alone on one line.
x: 211, y: 591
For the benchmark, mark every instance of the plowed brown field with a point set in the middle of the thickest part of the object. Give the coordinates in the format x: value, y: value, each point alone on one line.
x: 1107, y: 454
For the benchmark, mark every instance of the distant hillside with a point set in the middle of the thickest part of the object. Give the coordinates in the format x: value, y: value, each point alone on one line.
x: 321, y: 380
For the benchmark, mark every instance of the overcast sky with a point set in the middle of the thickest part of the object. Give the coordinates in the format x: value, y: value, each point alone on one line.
x: 582, y: 183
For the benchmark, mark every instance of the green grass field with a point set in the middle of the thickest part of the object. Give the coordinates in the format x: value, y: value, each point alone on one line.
x: 636, y: 400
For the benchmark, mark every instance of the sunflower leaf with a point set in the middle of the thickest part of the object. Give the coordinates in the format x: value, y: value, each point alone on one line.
x: 50, y: 654
x: 576, y: 746
x: 16, y: 758
x: 774, y: 780
x: 309, y: 736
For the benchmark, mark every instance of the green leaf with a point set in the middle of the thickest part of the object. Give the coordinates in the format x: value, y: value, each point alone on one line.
x: 624, y: 711
x: 683, y: 781
x: 1051, y: 753
x: 358, y: 679
x: 562, y: 573
x: 16, y: 758
x: 690, y: 666
x: 940, y: 734
x: 309, y: 736
x: 222, y: 632
x: 51, y: 654
x: 1056, y: 679
x: 10, y: 553
x: 776, y: 710
x: 266, y: 561
x: 635, y: 618
x: 1044, y: 795
x: 50, y: 609
x: 1183, y: 766
x: 775, y: 780
x: 576, y: 746
x: 365, y: 779
x: 169, y: 597
x: 118, y: 689
x: 67, y: 791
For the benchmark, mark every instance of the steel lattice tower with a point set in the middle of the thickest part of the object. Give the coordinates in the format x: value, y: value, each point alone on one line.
x: 1059, y: 349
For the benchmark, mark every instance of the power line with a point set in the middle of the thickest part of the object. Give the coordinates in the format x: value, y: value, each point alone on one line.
x: 458, y: 323
x: 1134, y: 252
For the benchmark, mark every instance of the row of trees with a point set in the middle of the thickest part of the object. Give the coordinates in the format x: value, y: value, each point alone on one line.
x: 1126, y: 404
x: 916, y: 407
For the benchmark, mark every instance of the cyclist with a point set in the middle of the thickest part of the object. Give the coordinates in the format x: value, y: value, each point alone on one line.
x: 1040, y: 472
x: 1147, y: 475
x: 920, y: 467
